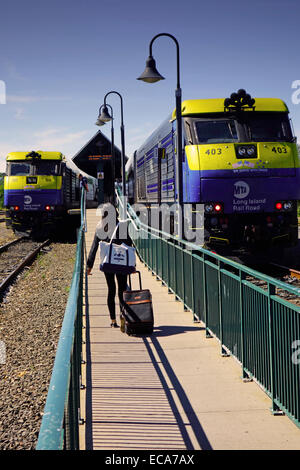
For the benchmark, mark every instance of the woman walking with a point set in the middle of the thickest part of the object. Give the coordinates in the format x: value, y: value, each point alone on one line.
x: 110, y: 277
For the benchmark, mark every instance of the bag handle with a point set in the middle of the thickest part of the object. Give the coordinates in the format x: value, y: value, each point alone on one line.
x: 140, y: 279
x: 111, y: 241
x: 114, y: 233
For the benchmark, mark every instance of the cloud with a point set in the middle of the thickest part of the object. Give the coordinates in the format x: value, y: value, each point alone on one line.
x: 136, y: 136
x: 50, y: 138
x: 33, y: 99
x: 55, y: 139
x: 12, y: 71
x: 19, y: 114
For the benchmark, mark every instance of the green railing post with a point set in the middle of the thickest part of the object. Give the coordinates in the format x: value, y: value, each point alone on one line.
x: 245, y: 375
x: 271, y: 291
x: 223, y: 350
x: 205, y: 303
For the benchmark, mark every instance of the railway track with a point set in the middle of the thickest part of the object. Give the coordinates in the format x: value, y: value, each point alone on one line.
x: 2, y: 215
x: 14, y: 256
x: 289, y: 276
x: 293, y: 273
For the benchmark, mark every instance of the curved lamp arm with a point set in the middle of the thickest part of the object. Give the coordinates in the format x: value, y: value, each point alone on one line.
x: 177, y: 52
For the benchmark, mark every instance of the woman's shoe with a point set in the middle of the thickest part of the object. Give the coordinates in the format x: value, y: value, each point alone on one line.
x: 114, y: 325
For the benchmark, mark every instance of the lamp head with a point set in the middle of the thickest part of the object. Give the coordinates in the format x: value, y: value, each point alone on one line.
x: 150, y: 74
x: 105, y: 116
x: 99, y: 122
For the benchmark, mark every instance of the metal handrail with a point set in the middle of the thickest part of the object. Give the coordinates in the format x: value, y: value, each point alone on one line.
x: 59, y: 427
x: 254, y: 324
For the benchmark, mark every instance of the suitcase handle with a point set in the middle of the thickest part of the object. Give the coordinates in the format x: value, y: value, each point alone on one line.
x: 140, y: 279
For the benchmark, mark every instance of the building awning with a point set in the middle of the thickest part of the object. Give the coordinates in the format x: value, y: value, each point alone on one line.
x: 96, y: 149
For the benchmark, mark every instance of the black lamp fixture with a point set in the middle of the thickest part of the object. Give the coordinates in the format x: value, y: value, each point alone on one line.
x: 99, y: 122
x: 151, y: 75
x: 106, y: 117
x: 103, y: 116
x: 102, y: 122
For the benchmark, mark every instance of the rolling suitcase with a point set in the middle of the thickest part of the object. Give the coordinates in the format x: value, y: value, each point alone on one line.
x: 137, y: 312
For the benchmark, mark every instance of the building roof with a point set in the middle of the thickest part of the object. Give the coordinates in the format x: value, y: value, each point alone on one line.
x: 98, y: 147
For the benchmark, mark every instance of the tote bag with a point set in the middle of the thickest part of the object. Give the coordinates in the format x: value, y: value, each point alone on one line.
x: 117, y: 258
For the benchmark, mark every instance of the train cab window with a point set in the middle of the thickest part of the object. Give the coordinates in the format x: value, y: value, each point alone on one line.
x: 46, y: 168
x: 268, y: 127
x: 216, y: 131
x: 19, y: 169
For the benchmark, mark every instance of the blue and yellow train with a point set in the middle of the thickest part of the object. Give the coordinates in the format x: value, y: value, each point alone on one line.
x: 40, y: 190
x: 240, y: 161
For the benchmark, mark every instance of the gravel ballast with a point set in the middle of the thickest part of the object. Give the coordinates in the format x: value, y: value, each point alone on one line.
x: 31, y: 316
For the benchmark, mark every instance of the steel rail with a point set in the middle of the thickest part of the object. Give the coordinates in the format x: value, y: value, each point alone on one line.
x: 9, y: 244
x: 27, y: 260
x: 290, y: 271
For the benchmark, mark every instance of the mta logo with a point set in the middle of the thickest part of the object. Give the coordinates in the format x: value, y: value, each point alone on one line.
x: 241, y: 189
x: 2, y: 92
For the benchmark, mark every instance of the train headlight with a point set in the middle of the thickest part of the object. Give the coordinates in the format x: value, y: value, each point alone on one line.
x: 284, y: 205
x: 209, y: 207
x: 218, y: 208
x: 16, y: 208
x: 250, y: 151
x: 215, y: 207
x: 246, y: 151
x: 287, y: 205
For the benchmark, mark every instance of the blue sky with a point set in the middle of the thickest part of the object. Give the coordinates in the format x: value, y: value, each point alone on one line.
x: 58, y: 59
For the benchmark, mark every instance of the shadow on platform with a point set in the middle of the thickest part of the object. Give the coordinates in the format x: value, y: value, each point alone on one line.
x: 137, y: 401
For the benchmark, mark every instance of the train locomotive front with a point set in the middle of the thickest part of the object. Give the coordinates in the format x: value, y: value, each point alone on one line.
x: 39, y: 191
x: 240, y: 161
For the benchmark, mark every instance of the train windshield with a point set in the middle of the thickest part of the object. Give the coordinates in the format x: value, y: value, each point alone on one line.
x: 19, y: 169
x: 216, y: 131
x: 46, y: 168
x: 267, y: 127
x: 241, y: 127
x: 33, y: 168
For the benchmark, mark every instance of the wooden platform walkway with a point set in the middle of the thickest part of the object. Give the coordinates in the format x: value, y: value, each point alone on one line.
x: 171, y: 390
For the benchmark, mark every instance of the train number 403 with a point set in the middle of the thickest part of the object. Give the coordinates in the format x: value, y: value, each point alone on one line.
x: 279, y: 150
x: 216, y: 151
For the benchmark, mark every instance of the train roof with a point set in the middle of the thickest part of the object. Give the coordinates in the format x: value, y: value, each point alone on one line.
x: 45, y: 155
x: 216, y: 105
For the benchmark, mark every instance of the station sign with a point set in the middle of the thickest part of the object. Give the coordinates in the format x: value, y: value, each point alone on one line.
x: 99, y: 157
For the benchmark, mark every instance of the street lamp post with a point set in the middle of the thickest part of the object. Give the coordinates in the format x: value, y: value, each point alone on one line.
x: 106, y: 117
x: 99, y: 122
x: 151, y: 75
